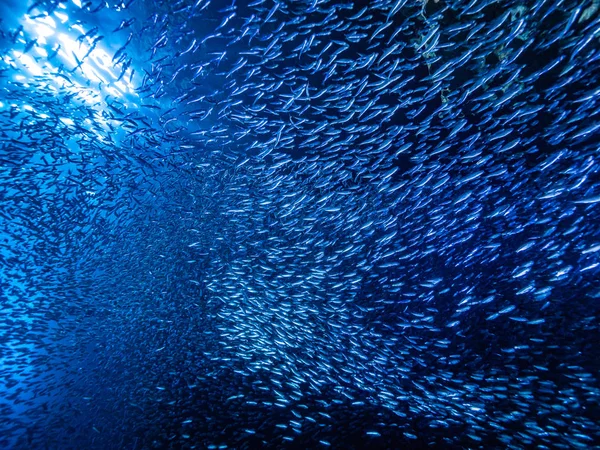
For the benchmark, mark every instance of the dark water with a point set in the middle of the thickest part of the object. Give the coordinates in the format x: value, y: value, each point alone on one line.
x: 299, y: 224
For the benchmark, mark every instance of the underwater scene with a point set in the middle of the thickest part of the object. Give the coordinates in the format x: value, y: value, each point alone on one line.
x: 299, y: 224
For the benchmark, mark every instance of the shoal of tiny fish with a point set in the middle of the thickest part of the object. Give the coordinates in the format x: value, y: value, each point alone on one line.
x: 300, y: 224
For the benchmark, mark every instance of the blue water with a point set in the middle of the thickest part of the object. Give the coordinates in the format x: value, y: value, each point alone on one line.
x: 299, y: 224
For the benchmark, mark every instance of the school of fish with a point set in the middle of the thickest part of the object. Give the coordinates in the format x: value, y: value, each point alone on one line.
x: 299, y: 224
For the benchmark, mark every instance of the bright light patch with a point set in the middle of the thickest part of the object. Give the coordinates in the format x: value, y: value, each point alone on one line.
x: 91, y: 74
x: 78, y: 28
x: 69, y: 44
x: 119, y: 85
x: 88, y: 97
x: 69, y: 47
x: 8, y: 60
x: 92, y: 83
x: 44, y: 30
x: 47, y: 20
x: 62, y: 17
x: 102, y: 59
x: 41, y: 51
x: 31, y: 65
x: 111, y: 90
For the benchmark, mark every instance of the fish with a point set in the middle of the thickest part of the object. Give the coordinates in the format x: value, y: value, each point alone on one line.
x: 318, y: 223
